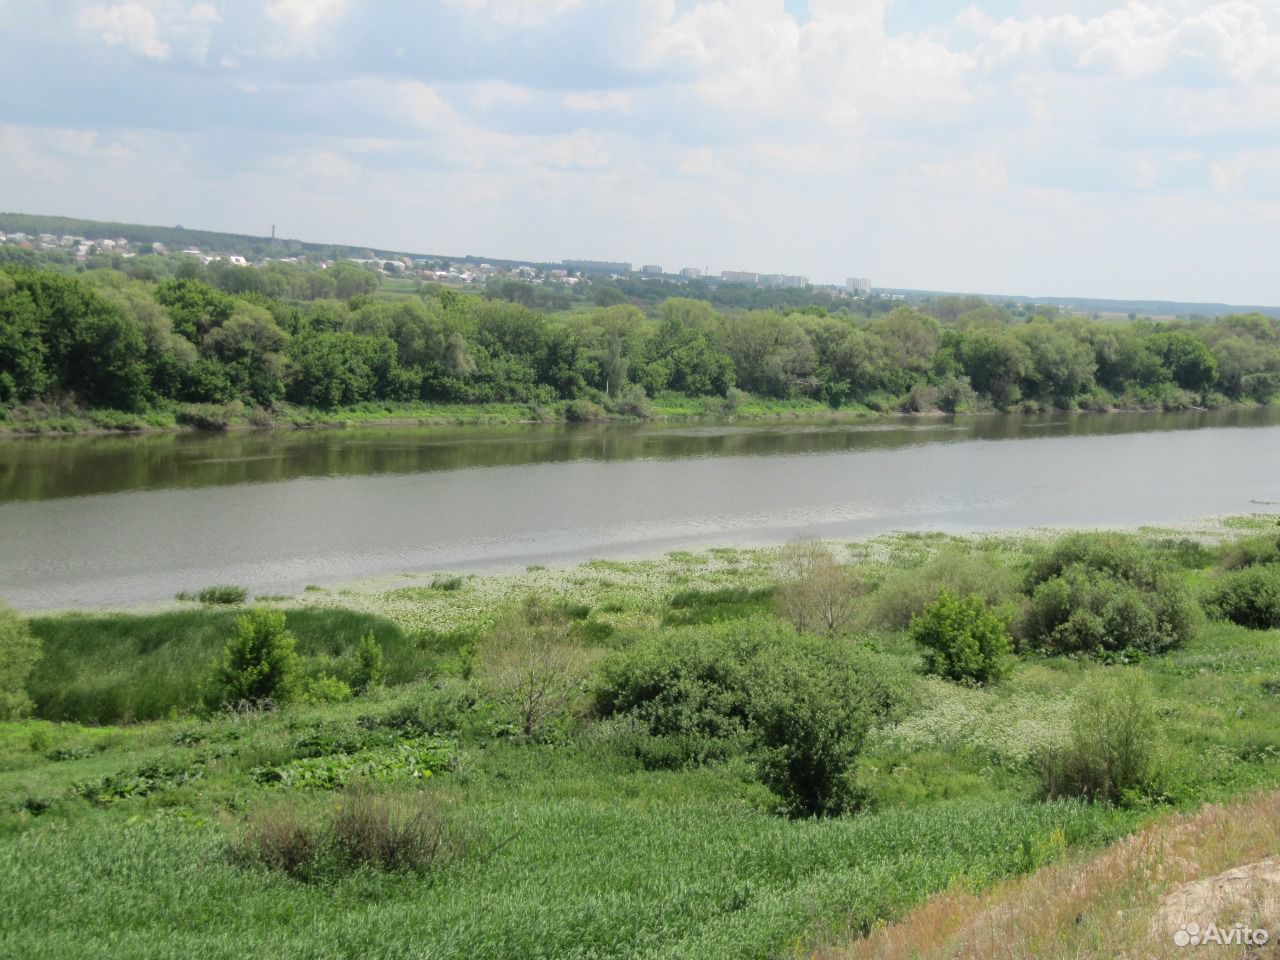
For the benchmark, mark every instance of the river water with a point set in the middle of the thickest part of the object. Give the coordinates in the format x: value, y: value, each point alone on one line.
x: 113, y: 521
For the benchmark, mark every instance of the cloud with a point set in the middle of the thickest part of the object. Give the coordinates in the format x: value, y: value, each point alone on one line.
x: 129, y: 24
x: 986, y: 147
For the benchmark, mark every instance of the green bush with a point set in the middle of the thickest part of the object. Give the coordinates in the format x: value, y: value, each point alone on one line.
x: 583, y: 411
x: 1104, y: 593
x: 810, y: 706
x: 19, y: 653
x: 260, y: 662
x: 1111, y: 750
x: 963, y: 639
x: 1249, y: 597
x: 907, y: 593
x: 1251, y: 552
x: 324, y: 689
x: 804, y: 704
x: 687, y: 682
x: 370, y: 669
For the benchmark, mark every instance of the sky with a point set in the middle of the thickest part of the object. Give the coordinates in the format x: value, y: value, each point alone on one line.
x: 1094, y: 148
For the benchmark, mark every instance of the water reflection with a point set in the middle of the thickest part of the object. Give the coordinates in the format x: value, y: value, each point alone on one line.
x: 49, y: 468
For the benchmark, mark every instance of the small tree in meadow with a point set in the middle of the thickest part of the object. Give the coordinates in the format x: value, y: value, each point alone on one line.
x: 19, y: 652
x: 532, y: 664
x: 260, y: 662
x: 370, y: 669
x: 815, y: 593
x: 963, y: 639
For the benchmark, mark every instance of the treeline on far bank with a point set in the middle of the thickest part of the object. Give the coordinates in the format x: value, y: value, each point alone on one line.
x: 111, y: 341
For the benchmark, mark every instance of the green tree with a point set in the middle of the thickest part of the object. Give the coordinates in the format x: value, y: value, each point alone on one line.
x: 260, y: 662
x: 811, y: 705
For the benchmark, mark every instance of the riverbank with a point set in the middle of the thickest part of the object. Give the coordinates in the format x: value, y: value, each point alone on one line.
x: 45, y: 420
x: 130, y: 813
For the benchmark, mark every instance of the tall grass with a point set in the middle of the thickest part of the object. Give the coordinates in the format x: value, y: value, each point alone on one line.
x: 124, y: 667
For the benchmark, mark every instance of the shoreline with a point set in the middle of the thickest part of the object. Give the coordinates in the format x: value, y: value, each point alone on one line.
x: 500, y: 415
x: 374, y: 593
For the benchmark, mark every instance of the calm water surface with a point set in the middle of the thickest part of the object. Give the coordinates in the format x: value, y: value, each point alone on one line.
x: 109, y: 521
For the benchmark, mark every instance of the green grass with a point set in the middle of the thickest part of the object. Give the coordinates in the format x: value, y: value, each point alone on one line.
x: 114, y: 839
x: 125, y: 667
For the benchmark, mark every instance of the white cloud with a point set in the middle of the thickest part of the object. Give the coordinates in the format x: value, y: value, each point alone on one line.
x: 129, y: 24
x: 618, y: 100
x: 518, y: 13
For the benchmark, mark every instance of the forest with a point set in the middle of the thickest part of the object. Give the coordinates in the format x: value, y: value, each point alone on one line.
x: 138, y: 338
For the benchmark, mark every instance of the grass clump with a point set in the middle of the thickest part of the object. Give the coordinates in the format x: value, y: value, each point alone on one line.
x: 1110, y: 752
x: 19, y: 653
x: 1248, y: 596
x: 962, y: 639
x: 362, y: 830
x: 224, y: 594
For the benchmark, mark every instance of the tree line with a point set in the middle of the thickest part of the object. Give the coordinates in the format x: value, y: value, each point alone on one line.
x: 125, y: 342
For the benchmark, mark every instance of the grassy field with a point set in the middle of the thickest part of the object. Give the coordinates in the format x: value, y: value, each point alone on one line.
x: 123, y: 801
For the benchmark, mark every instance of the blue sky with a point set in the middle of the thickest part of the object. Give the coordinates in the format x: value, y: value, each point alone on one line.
x: 1094, y: 148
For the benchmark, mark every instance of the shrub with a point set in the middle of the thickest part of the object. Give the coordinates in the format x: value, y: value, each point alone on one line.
x: 1249, y: 597
x: 963, y: 639
x: 1110, y: 752
x: 19, y: 653
x: 583, y: 411
x: 804, y: 704
x: 260, y: 662
x: 447, y: 584
x: 531, y: 664
x: 324, y: 689
x: 810, y: 705
x: 1250, y: 552
x: 909, y: 593
x: 632, y: 401
x: 1103, y: 593
x: 370, y: 670
x: 208, y: 416
x: 362, y: 830
x: 816, y: 593
x: 688, y: 682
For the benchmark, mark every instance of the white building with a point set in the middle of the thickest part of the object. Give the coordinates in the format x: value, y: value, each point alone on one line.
x: 858, y: 285
x: 691, y: 273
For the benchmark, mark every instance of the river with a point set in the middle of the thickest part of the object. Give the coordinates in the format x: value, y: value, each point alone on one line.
x: 92, y: 522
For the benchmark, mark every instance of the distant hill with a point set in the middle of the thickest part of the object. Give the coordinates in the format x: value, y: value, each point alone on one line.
x: 1142, y: 308
x: 211, y: 241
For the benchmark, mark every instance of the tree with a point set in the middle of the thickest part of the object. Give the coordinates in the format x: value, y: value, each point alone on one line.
x: 19, y: 653
x: 370, y: 669
x: 815, y: 593
x: 810, y: 706
x: 260, y: 663
x: 1186, y: 358
x: 533, y: 665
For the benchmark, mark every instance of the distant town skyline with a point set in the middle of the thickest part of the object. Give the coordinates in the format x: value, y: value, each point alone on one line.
x: 1097, y: 148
